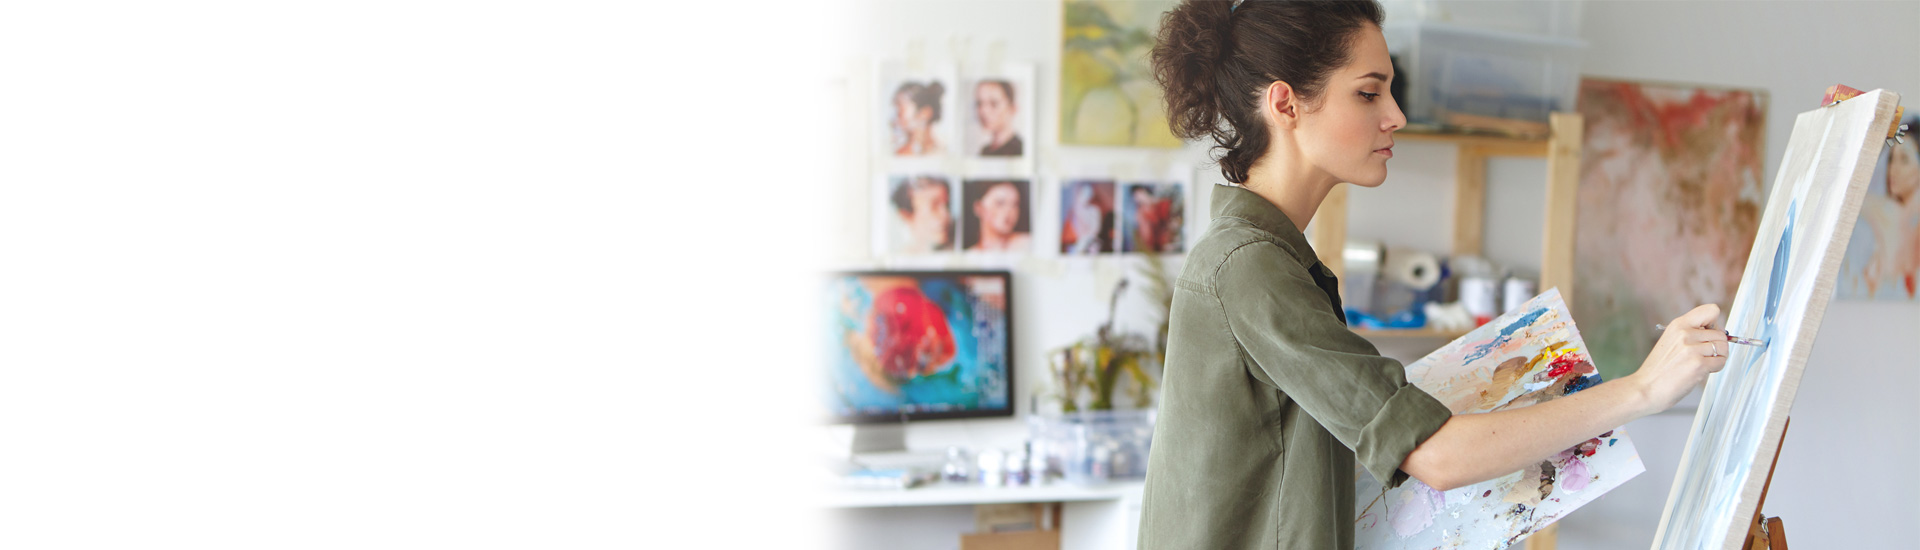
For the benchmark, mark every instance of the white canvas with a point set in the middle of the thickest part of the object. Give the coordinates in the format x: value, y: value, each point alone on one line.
x: 1528, y: 356
x: 1790, y: 276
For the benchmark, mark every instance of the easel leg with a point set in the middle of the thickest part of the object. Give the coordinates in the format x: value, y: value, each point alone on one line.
x: 1776, y: 534
x: 1544, y: 539
x: 1767, y: 534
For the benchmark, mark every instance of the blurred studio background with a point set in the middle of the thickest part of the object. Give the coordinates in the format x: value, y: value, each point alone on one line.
x: 1053, y: 209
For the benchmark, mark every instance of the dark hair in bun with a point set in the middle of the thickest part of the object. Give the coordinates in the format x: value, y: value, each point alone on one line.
x: 923, y: 96
x: 1214, y: 62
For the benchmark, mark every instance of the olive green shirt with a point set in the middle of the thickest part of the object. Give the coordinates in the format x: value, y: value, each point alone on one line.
x: 1268, y: 397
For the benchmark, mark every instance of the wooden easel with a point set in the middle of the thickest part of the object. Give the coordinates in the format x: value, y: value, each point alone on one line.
x: 1769, y: 533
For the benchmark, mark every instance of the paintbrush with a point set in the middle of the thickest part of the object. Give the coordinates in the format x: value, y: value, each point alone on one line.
x: 1730, y: 338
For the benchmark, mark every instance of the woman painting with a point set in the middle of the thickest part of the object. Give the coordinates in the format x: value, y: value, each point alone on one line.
x: 1269, y: 400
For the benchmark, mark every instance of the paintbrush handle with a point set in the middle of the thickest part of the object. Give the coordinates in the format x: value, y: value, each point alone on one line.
x: 1730, y: 337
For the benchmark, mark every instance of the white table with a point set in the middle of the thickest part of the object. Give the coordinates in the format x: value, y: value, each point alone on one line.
x: 1099, y: 517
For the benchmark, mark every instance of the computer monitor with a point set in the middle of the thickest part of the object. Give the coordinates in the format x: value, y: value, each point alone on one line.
x: 917, y: 345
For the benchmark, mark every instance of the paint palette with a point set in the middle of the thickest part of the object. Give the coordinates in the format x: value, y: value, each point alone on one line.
x: 1531, y: 355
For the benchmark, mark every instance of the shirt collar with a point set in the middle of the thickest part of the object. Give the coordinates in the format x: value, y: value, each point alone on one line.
x: 1234, y: 201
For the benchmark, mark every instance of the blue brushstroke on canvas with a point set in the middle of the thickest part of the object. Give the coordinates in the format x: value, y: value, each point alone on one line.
x: 1506, y: 333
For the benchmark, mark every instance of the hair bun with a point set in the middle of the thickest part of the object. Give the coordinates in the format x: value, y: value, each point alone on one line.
x: 1186, y: 62
x: 1212, y: 59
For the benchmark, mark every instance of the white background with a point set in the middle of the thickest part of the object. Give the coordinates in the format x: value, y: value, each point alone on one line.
x: 407, y: 274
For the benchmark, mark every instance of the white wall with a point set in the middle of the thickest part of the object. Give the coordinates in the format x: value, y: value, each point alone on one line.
x: 1854, y: 411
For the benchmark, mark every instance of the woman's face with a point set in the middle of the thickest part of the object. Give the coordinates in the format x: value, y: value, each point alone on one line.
x: 903, y: 112
x: 992, y: 106
x: 1348, y: 132
x: 931, y: 216
x: 1903, y: 173
x: 998, y: 210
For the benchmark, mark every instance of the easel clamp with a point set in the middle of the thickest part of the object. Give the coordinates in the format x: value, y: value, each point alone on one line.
x: 1841, y: 92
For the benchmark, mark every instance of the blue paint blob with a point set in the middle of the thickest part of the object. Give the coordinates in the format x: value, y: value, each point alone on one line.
x: 1506, y: 333
x: 1581, y: 383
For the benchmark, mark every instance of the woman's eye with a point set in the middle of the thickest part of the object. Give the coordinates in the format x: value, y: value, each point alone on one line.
x: 1369, y: 96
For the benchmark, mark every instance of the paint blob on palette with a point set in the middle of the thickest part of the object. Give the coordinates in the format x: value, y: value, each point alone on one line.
x: 1531, y: 355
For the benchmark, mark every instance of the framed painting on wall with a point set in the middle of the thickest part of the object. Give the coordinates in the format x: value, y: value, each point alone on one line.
x: 1107, y: 92
x: 1670, y: 183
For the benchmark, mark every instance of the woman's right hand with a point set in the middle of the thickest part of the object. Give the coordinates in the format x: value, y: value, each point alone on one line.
x: 1687, y: 352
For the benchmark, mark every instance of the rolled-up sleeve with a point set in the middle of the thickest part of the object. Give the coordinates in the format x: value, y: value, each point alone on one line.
x: 1295, y: 341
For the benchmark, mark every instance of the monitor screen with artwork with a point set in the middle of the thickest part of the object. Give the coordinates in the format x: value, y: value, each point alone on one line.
x: 915, y: 345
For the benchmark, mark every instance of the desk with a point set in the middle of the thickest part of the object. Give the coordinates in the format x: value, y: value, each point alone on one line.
x: 1096, y: 517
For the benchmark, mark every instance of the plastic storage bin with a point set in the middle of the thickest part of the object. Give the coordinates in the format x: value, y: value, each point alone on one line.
x: 1471, y: 78
x: 1093, y: 447
x: 1560, y: 18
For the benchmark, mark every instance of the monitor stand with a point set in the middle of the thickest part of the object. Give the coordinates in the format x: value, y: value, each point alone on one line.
x: 884, y: 446
x: 879, y: 438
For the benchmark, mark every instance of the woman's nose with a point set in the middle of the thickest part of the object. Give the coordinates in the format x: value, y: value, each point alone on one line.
x: 1395, y: 119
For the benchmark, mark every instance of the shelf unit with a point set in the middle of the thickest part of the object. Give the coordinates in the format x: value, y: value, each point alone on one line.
x: 1562, y: 151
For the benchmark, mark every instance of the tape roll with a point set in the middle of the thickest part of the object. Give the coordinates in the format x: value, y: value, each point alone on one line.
x: 1413, y: 268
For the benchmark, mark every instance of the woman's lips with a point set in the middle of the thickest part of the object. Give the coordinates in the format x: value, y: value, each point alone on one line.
x: 1388, y: 151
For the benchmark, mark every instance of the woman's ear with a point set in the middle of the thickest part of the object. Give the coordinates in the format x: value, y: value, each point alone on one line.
x: 1279, y: 106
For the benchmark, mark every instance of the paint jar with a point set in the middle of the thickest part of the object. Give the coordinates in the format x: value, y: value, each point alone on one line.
x: 1515, y: 294
x: 959, y: 466
x: 1477, y: 295
x: 1017, y: 468
x: 992, y: 468
x: 1039, y: 469
x: 1363, y: 259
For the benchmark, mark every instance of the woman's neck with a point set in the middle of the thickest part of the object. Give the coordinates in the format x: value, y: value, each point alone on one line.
x: 1297, y: 193
x: 921, y: 139
x: 1001, y: 136
x: 990, y: 240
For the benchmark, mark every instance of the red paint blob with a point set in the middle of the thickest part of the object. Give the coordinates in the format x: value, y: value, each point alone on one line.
x: 1563, y: 365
